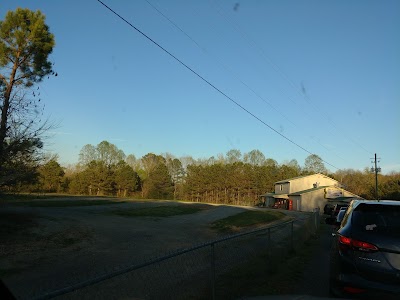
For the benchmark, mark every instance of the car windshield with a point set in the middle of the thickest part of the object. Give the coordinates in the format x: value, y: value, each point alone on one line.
x: 382, y: 218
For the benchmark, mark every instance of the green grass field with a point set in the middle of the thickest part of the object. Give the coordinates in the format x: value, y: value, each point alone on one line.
x: 65, y: 203
x: 246, y: 219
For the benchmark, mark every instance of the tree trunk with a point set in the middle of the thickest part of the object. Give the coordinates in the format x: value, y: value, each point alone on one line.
x: 5, y: 107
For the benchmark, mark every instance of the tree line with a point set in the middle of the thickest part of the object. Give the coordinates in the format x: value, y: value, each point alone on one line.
x: 25, y: 45
x: 232, y: 178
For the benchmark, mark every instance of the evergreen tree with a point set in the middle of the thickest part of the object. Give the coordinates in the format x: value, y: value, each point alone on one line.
x: 25, y: 45
x: 51, y: 176
x: 126, y: 179
x: 158, y: 184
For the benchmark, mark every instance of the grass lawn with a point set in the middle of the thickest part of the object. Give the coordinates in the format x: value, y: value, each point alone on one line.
x: 263, y: 276
x: 246, y: 219
x: 64, y: 203
x: 32, y: 196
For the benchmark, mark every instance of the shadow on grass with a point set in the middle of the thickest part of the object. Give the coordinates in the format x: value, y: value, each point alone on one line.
x: 159, y: 211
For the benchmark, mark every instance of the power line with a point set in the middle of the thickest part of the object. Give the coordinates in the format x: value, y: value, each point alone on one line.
x: 278, y: 70
x: 301, y: 92
x: 206, y: 81
x: 234, y: 74
x: 218, y: 61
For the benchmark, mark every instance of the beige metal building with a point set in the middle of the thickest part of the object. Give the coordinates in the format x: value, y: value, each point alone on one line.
x: 305, y: 193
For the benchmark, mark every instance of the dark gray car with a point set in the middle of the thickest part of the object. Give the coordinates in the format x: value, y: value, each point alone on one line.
x: 365, y: 256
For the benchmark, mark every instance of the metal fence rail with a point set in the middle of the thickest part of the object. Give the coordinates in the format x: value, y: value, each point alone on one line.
x: 193, y: 273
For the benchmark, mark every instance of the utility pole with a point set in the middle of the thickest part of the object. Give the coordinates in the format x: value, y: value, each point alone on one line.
x: 376, y: 170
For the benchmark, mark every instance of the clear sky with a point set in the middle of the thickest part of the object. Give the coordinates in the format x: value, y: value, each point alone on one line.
x: 323, y: 74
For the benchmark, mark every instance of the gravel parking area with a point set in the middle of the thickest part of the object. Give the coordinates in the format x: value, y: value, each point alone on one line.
x: 70, y: 244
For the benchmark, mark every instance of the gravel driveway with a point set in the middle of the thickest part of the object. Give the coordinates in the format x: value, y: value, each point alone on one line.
x: 89, y: 241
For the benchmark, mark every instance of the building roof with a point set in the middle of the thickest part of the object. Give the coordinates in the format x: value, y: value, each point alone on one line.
x: 299, y: 193
x: 269, y: 194
x: 276, y: 196
x: 342, y: 199
x: 296, y: 193
x: 309, y: 190
x: 303, y: 176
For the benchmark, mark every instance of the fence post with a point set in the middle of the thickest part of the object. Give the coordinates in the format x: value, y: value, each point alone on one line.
x: 212, y: 271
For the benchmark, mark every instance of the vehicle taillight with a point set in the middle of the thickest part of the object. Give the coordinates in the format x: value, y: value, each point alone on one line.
x: 345, y: 240
x: 359, y: 245
x: 364, y: 246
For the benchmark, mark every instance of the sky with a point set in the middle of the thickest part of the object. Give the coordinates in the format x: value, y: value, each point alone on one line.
x: 199, y: 78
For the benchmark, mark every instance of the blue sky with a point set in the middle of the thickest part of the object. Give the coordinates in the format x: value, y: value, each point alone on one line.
x: 324, y: 74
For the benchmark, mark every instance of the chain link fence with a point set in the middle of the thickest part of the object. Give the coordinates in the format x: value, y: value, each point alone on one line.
x: 195, y: 273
